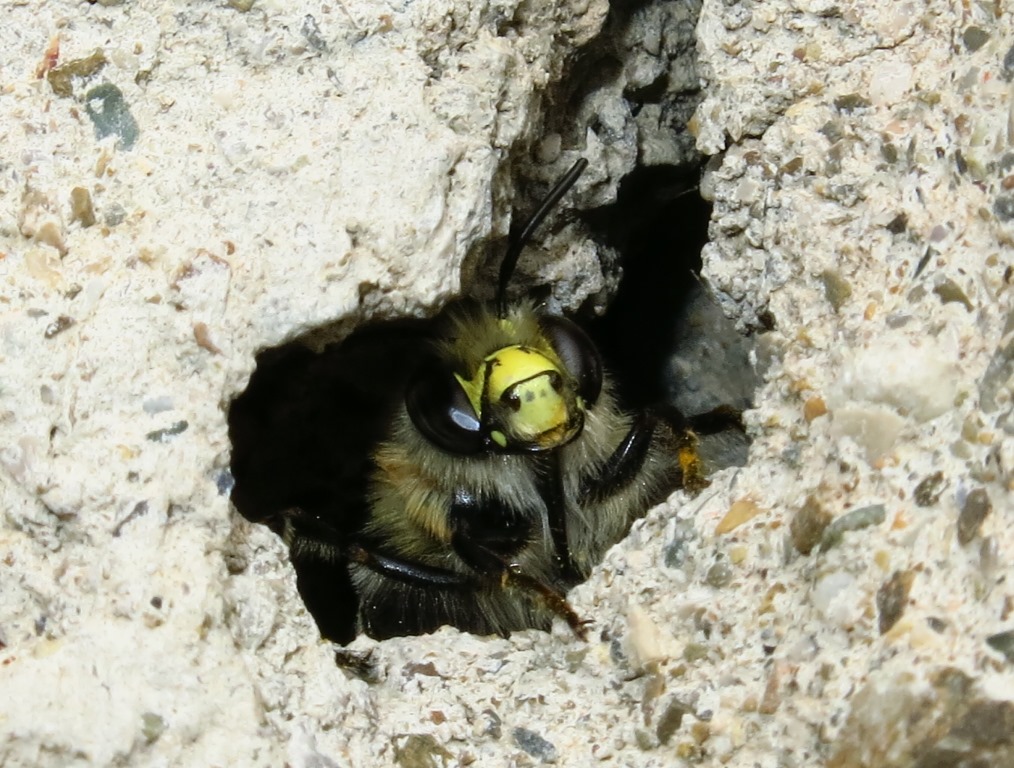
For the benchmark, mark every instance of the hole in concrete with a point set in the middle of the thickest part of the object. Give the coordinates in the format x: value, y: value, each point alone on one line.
x: 663, y: 330
x: 303, y: 431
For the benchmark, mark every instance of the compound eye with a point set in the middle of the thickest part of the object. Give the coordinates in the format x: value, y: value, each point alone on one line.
x: 577, y: 353
x: 440, y: 410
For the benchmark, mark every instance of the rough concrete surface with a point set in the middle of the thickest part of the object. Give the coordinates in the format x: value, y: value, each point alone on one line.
x: 226, y: 177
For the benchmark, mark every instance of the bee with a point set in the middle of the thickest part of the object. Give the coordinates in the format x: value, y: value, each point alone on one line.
x: 503, y: 472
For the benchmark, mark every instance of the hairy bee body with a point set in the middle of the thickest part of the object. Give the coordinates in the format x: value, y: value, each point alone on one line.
x: 497, y: 479
x: 414, y: 516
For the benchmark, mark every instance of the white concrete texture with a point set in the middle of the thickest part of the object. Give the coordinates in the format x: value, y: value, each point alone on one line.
x: 304, y: 165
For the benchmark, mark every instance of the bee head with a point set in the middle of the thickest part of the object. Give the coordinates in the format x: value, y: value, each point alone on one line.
x: 528, y: 394
x: 520, y: 398
x: 526, y: 401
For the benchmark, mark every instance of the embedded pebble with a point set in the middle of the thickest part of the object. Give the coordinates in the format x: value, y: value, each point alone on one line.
x: 671, y: 719
x: 918, y: 379
x: 110, y: 115
x: 974, y: 38
x: 808, y: 525
x: 975, y: 509
x: 854, y: 520
x: 58, y: 326
x: 81, y: 208
x: 61, y: 78
x: 645, y: 643
x: 153, y: 726
x: 719, y: 575
x: 1004, y: 643
x: 998, y: 374
x: 814, y: 408
x: 928, y: 491
x: 740, y: 512
x: 950, y: 291
x: 420, y: 750
x: 834, y: 596
x: 165, y: 435
x: 534, y: 744
x: 875, y: 428
x: 892, y: 598
x: 836, y: 289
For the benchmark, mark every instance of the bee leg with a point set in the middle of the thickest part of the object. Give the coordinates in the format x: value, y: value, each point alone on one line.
x: 487, y: 535
x: 551, y: 490
x: 417, y: 598
x: 322, y: 556
x: 428, y: 576
x: 553, y: 599
x: 624, y: 463
x: 409, y: 572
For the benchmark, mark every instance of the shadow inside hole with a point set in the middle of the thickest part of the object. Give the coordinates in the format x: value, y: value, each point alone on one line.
x: 659, y: 225
x: 304, y: 430
x: 302, y: 434
x: 664, y: 334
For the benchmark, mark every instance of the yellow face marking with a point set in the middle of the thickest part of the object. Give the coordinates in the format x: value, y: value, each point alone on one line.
x: 504, y: 368
x: 525, y: 385
x: 540, y: 407
x: 515, y: 364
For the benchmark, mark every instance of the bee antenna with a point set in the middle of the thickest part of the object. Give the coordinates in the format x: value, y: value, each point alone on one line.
x: 520, y: 240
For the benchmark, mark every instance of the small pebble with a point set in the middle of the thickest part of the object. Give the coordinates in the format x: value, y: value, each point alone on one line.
x: 808, y: 526
x: 892, y: 598
x: 110, y: 115
x: 974, y: 38
x: 163, y: 435
x: 975, y: 509
x: 948, y: 291
x: 671, y: 719
x: 421, y: 750
x: 535, y: 745
x: 855, y: 520
x: 740, y: 512
x: 1003, y: 207
x: 152, y: 726
x: 81, y: 208
x: 837, y: 289
x: 929, y: 489
x: 719, y: 575
x: 61, y: 78
x: 1004, y: 643
x: 58, y: 326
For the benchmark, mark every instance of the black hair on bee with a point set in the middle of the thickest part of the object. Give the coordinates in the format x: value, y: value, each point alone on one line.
x: 505, y: 473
